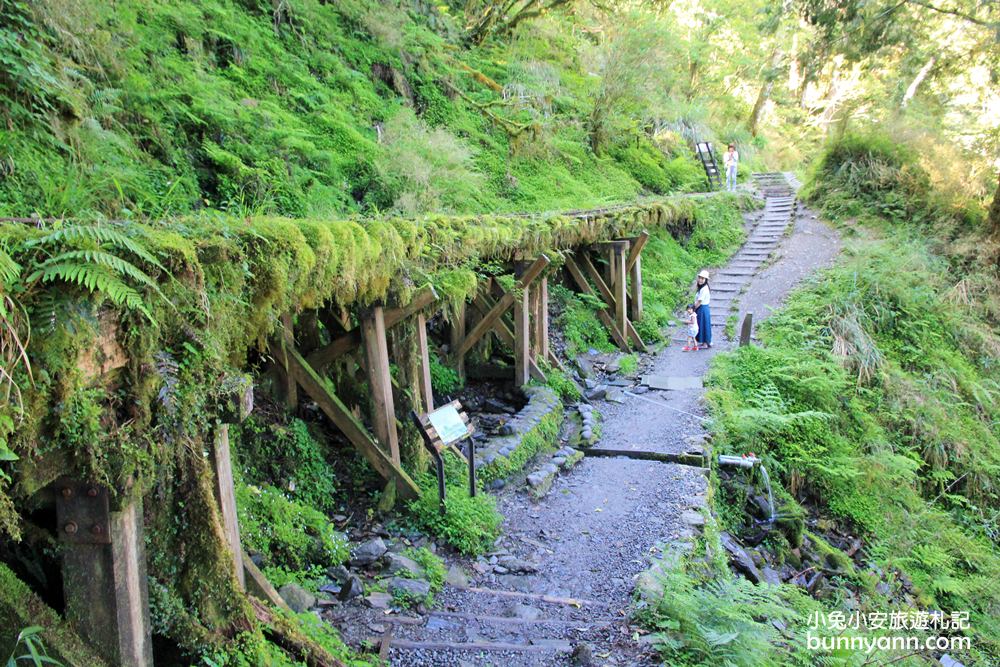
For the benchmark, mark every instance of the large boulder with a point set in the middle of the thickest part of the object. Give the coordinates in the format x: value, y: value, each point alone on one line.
x: 368, y: 552
x: 399, y: 564
x: 297, y: 598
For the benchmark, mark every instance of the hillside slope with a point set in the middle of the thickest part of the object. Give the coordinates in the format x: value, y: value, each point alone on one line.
x: 147, y: 108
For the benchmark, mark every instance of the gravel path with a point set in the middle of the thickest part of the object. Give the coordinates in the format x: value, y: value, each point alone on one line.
x: 595, y: 531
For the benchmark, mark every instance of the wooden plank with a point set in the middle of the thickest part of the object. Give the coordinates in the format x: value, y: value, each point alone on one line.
x: 426, y: 391
x: 540, y: 318
x: 584, y: 286
x: 746, y: 330
x: 619, y: 287
x: 259, y: 587
x: 457, y: 336
x: 342, y: 418
x: 504, y: 303
x: 380, y: 380
x: 288, y: 341
x: 522, y: 337
x: 635, y: 291
x: 348, y: 342
x: 506, y: 335
x: 225, y: 496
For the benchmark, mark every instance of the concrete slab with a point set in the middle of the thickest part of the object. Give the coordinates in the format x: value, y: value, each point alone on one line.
x: 672, y: 382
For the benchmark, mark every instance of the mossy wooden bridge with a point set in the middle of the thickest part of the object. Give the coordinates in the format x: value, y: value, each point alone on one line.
x: 336, y: 310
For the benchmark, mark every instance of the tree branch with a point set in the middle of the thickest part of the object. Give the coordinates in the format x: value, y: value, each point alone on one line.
x: 953, y: 12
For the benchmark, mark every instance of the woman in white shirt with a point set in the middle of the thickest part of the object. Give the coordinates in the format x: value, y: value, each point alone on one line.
x: 732, y: 159
x: 702, y: 310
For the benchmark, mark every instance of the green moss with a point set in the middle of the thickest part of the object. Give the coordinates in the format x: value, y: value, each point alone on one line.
x: 21, y: 608
x: 542, y: 437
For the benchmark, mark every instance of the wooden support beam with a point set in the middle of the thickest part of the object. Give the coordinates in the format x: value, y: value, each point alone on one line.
x: 104, y: 573
x: 636, y: 244
x: 619, y: 286
x: 341, y: 345
x: 342, y: 418
x: 609, y: 298
x: 457, y: 336
x: 426, y: 390
x: 504, y: 303
x: 380, y: 380
x: 225, y: 496
x: 522, y: 337
x: 288, y: 341
x: 540, y: 318
x: 635, y: 291
x: 505, y: 333
x: 584, y: 286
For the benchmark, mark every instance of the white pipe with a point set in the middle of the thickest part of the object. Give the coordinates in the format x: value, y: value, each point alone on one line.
x: 738, y: 461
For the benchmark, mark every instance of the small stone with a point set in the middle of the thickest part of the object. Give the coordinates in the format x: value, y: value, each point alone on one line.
x: 692, y: 518
x: 524, y: 612
x: 351, y: 588
x: 297, y: 598
x: 368, y: 552
x: 518, y: 565
x: 536, y: 479
x: 338, y: 573
x: 582, y: 655
x: 497, y: 484
x: 587, y: 434
x: 558, y: 460
x: 641, y: 389
x: 396, y: 563
x: 457, y: 577
x: 379, y: 600
x: 615, y: 395
x: 500, y: 569
x: 597, y: 393
x: 882, y: 588
x: 771, y: 576
x: 412, y: 588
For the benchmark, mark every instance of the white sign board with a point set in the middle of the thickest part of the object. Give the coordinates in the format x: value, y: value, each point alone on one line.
x: 448, y: 424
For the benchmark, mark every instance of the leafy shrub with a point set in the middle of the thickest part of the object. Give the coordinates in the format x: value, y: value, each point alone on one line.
x: 288, y: 533
x: 444, y: 379
x: 579, y: 323
x: 286, y: 456
x: 563, y: 384
x: 470, y: 524
x: 426, y: 169
x: 433, y: 571
x: 628, y: 364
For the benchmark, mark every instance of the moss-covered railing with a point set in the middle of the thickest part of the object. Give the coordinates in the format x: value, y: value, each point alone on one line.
x: 123, y: 344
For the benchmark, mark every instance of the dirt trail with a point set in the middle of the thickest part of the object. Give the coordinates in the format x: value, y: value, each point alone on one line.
x: 596, y: 529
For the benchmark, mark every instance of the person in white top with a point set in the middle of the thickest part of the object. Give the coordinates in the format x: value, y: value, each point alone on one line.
x: 701, y: 308
x: 731, y: 160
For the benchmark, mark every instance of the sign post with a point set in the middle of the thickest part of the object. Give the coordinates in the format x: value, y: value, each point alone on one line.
x: 441, y: 430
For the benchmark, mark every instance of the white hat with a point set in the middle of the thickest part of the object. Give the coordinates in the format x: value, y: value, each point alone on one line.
x: 703, y: 274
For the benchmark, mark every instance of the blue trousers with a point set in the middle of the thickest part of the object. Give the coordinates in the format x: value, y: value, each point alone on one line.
x: 704, y: 314
x: 731, y: 178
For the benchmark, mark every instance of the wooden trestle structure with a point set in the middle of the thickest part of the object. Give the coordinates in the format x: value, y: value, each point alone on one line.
x: 517, y: 318
x: 104, y: 564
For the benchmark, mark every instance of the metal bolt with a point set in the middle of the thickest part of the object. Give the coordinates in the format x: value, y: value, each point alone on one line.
x: 96, y: 529
x: 70, y: 528
x: 67, y: 492
x: 92, y: 492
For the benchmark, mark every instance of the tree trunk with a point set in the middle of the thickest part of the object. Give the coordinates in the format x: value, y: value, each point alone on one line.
x: 993, y: 221
x: 918, y: 79
x: 758, y: 106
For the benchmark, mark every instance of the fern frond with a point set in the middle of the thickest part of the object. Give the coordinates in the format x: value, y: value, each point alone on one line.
x: 95, y: 278
x: 9, y: 269
x: 96, y: 234
x: 113, y: 262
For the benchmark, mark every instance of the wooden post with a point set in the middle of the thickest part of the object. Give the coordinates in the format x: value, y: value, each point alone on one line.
x: 225, y: 495
x: 522, y: 337
x: 746, y: 330
x: 380, y: 380
x: 618, y: 286
x: 457, y: 336
x: 104, y: 573
x: 426, y: 390
x: 540, y: 319
x: 635, y: 291
x: 288, y: 342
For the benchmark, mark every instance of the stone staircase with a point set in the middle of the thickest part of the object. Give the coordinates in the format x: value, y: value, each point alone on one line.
x: 779, y: 208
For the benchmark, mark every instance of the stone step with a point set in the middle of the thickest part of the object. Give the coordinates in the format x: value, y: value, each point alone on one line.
x: 540, y: 481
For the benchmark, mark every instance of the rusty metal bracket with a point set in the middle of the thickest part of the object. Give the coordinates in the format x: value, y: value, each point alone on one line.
x: 82, y: 512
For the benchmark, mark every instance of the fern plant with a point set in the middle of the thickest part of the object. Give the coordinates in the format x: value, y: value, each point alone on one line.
x: 91, y: 256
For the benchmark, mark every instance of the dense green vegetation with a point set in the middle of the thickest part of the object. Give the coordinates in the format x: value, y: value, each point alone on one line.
x: 873, y: 400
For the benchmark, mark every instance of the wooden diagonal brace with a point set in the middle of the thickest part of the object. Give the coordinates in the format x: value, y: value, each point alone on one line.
x: 609, y: 298
x: 581, y: 282
x: 341, y: 345
x: 341, y: 416
x: 505, y: 302
x: 638, y: 243
x: 503, y: 331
